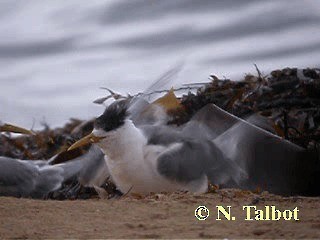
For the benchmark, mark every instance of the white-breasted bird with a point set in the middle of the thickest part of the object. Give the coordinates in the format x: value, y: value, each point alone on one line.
x: 151, y: 156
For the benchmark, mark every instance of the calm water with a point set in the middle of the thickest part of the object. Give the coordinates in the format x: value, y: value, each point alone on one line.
x: 54, y: 55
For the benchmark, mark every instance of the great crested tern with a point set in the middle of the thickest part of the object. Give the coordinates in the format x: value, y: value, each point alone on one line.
x: 135, y: 146
x: 25, y: 178
x: 147, y: 155
x: 37, y: 178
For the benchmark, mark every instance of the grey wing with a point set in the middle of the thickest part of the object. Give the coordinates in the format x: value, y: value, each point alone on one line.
x: 90, y: 168
x: 165, y: 81
x: 144, y: 113
x: 191, y: 160
x: 16, y: 178
x: 26, y: 178
x: 141, y: 111
x: 208, y: 123
x: 271, y: 163
x: 22, y: 178
x: 94, y: 171
x: 212, y: 121
x: 161, y: 134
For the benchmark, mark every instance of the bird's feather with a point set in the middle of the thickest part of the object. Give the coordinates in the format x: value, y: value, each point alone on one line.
x: 26, y: 178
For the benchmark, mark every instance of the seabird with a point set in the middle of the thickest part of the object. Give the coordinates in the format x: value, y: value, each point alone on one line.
x: 38, y: 178
x: 25, y: 178
x: 214, y: 146
x: 150, y: 156
x: 142, y: 153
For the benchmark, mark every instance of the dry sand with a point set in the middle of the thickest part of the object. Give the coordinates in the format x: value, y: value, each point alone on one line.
x: 155, y: 216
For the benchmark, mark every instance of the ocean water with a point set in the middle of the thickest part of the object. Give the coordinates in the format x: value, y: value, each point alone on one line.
x: 55, y: 55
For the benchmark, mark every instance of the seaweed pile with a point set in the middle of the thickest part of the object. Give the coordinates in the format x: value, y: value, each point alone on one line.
x: 290, y: 98
x: 46, y: 143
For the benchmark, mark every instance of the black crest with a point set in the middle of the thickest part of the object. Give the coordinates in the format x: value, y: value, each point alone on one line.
x: 113, y: 117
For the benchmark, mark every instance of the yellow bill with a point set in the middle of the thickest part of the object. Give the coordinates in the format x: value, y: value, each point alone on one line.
x: 91, y: 138
x: 15, y: 129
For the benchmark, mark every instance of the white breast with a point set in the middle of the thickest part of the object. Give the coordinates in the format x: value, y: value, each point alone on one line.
x: 133, y: 164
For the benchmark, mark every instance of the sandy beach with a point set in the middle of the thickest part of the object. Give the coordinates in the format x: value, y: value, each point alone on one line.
x: 156, y: 216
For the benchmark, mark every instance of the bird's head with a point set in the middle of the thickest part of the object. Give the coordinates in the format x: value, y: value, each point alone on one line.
x: 113, y: 117
x: 106, y: 125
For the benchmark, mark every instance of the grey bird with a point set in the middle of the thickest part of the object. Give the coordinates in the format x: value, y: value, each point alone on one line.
x: 215, y: 146
x: 36, y: 179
